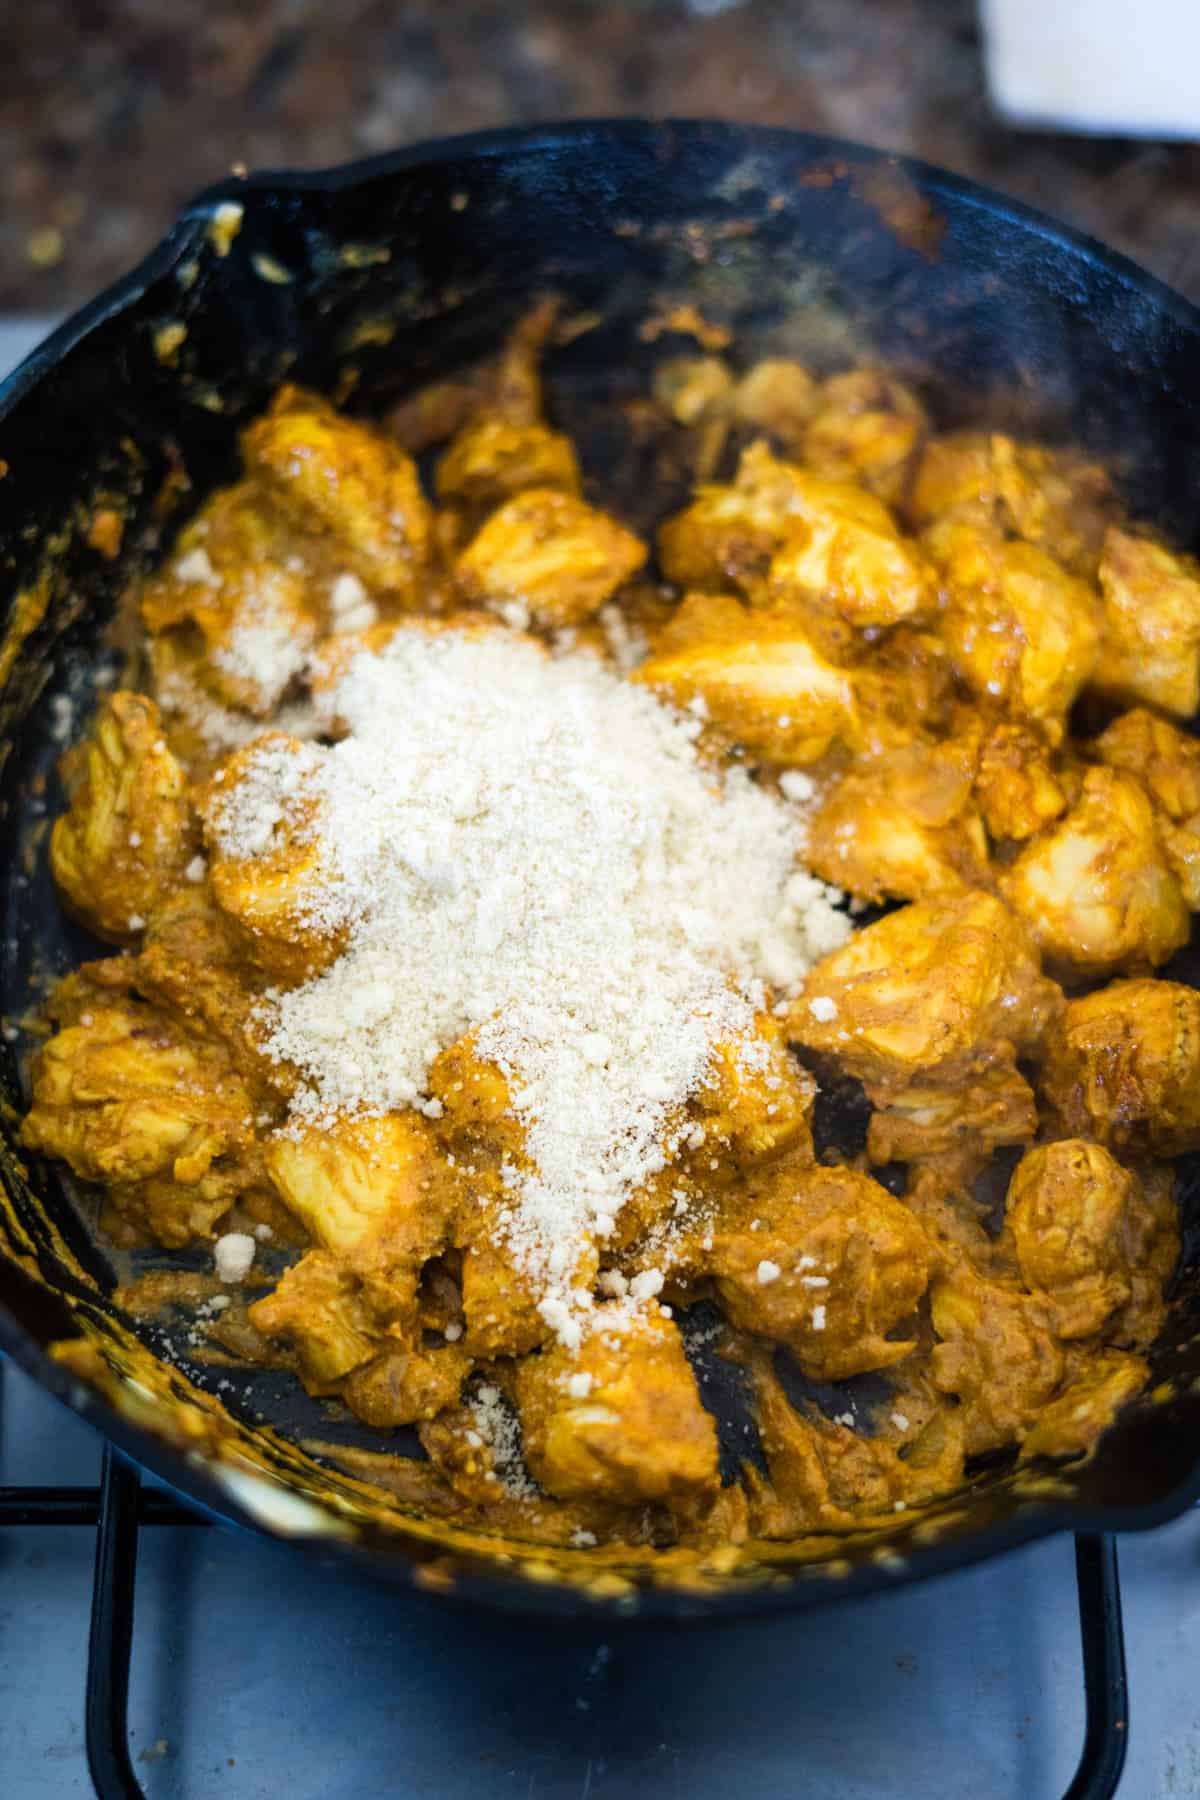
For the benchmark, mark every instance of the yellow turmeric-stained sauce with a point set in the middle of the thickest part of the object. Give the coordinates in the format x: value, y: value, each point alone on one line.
x: 890, y: 632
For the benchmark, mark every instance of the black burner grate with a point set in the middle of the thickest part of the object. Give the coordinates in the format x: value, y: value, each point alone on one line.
x: 121, y: 1506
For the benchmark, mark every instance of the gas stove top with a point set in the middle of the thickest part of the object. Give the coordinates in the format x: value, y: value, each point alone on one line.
x: 256, y: 1672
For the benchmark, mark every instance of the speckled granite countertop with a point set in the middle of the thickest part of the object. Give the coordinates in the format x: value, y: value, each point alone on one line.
x: 114, y: 111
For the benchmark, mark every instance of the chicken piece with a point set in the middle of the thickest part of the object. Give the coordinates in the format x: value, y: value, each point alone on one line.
x: 477, y: 1447
x: 349, y: 486
x: 548, y: 557
x: 189, y: 962
x: 932, y: 987
x: 242, y: 600
x: 1022, y: 633
x: 1054, y: 499
x: 1095, y: 889
x: 1182, y: 846
x: 128, y: 1098
x: 1087, y: 1406
x: 479, y: 1128
x: 402, y: 1386
x: 376, y: 1194
x: 777, y: 396
x: 319, y: 1309
x: 996, y: 1352
x: 1067, y: 1208
x: 843, y: 551
x: 757, y: 675
x: 696, y: 394
x: 905, y: 694
x: 1085, y: 1234
x: 1167, y: 763
x: 825, y: 1261
x: 1150, y: 645
x: 500, y: 1303
x: 504, y: 446
x: 478, y: 1122
x: 1165, y: 760
x: 955, y: 1210
x: 618, y: 1419
x: 198, y: 728
x: 867, y: 427
x: 1123, y: 1065
x: 902, y: 826
x: 730, y: 533
x: 129, y: 832
x: 754, y: 1102
x: 961, y: 1123
x: 1016, y: 790
x: 260, y: 813
x: 692, y: 389
x: 492, y: 459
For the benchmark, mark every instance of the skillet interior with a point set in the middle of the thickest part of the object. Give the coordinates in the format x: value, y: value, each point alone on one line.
x: 365, y: 284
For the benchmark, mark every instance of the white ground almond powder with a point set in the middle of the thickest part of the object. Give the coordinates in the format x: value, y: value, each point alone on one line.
x: 534, y: 850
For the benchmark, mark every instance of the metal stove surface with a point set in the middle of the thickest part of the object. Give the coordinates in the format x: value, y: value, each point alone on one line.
x: 256, y: 1674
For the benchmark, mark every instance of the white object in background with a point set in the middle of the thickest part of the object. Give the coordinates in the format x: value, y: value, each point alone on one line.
x: 1103, y: 66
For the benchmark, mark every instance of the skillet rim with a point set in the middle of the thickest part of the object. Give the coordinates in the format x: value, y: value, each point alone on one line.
x: 395, y: 1558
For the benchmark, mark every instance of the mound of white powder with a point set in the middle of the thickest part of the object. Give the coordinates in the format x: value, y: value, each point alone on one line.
x: 532, y: 849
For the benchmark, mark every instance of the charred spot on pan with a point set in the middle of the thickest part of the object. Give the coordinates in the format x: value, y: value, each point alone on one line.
x: 724, y: 1389
x: 989, y: 1189
x: 893, y: 1176
x: 841, y: 1111
x: 991, y: 1463
x: 1187, y: 1198
x: 860, y: 1403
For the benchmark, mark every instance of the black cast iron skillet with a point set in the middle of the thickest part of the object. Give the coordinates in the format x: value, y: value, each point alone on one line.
x: 366, y: 282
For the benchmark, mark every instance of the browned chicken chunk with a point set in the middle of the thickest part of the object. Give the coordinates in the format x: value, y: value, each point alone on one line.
x: 547, y: 557
x: 902, y: 826
x: 1021, y: 631
x: 348, y: 484
x: 1016, y: 789
x: 129, y: 832
x: 843, y: 552
x: 1122, y: 1065
x: 867, y: 427
x: 960, y: 1122
x: 730, y: 533
x: 777, y: 396
x: 826, y: 1261
x: 505, y: 446
x: 620, y: 1418
x: 264, y: 881
x: 756, y: 675
x: 319, y: 1309
x: 126, y: 1097
x: 1096, y: 889
x: 926, y: 988
x: 997, y: 1352
x: 1071, y: 1212
x: 1150, y: 648
x: 1052, y: 498
x: 403, y: 1386
x: 1167, y: 763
